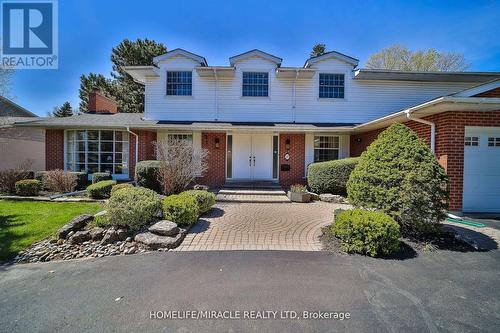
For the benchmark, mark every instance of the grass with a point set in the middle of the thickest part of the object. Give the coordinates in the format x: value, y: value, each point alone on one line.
x: 23, y: 223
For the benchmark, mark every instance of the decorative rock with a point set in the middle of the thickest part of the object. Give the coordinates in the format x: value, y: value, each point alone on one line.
x: 154, y: 241
x: 71, y: 233
x: 80, y: 237
x: 97, y: 233
x: 164, y: 228
x: 75, y: 224
x: 110, y: 236
x: 314, y: 196
x: 200, y: 187
x: 122, y: 234
x: 327, y: 197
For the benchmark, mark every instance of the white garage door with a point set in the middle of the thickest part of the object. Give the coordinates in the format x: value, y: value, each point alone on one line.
x: 481, y: 169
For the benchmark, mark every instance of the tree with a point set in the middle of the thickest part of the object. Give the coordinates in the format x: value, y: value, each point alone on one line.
x: 5, y: 80
x: 63, y: 111
x: 128, y: 94
x: 317, y: 50
x: 398, y: 57
x: 400, y: 175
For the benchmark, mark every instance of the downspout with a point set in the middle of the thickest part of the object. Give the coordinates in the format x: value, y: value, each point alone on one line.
x: 136, y: 145
x: 294, y: 102
x: 431, y: 124
x: 216, y: 96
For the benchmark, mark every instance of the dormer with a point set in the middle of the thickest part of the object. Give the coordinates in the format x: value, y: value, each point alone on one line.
x: 331, y: 55
x: 183, y: 54
x: 252, y: 54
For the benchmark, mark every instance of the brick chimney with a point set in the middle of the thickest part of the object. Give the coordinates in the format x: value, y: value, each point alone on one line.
x: 98, y: 103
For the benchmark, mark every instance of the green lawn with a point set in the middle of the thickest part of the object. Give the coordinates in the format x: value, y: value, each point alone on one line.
x: 23, y: 223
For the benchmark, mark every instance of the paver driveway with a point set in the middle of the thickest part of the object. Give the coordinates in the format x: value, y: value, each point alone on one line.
x: 260, y: 226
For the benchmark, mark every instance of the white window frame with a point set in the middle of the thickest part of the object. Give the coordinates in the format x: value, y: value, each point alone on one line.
x: 174, y: 97
x: 338, y: 148
x: 331, y: 98
x: 260, y: 72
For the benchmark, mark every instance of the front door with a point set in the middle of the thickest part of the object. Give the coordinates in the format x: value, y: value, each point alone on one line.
x: 252, y: 156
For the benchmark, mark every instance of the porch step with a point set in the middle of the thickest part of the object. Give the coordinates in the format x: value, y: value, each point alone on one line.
x: 253, y: 185
x: 252, y: 198
x: 252, y: 193
x: 239, y: 191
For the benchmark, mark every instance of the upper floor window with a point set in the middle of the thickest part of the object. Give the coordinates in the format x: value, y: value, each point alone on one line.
x: 331, y: 85
x: 255, y: 84
x: 179, y: 83
x: 326, y: 148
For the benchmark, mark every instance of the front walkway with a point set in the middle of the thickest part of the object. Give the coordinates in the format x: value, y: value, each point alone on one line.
x: 260, y: 226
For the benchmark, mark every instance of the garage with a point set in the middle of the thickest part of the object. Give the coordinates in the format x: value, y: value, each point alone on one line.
x: 481, y: 192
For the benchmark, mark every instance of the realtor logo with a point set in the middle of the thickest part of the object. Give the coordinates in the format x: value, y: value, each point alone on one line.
x: 29, y: 34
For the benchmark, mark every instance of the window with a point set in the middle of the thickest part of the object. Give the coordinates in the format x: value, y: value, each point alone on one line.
x: 326, y: 148
x: 179, y: 83
x: 331, y: 85
x: 471, y: 141
x: 493, y: 142
x: 97, y: 151
x: 255, y: 84
x: 180, y: 137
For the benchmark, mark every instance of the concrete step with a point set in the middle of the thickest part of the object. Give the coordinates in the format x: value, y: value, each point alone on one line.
x: 258, y: 185
x: 238, y: 191
x: 251, y: 198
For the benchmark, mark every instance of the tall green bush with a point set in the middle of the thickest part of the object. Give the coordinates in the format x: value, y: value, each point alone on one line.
x: 400, y: 175
x: 330, y: 176
x: 146, y: 175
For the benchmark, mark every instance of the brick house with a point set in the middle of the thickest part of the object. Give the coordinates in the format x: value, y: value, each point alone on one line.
x: 263, y: 121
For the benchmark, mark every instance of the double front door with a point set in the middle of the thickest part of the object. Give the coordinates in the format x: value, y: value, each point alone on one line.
x: 252, y: 156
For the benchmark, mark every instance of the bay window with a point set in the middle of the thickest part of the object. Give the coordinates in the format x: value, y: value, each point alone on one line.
x: 97, y: 151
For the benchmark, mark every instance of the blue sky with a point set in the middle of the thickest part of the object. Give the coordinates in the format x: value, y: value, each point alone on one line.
x: 88, y: 29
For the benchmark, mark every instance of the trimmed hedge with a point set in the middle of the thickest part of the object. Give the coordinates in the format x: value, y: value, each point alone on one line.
x: 366, y: 232
x: 331, y: 176
x: 100, y: 176
x: 132, y: 207
x: 81, y: 180
x: 181, y: 209
x: 100, y: 190
x: 119, y: 187
x: 28, y: 187
x: 204, y: 199
x: 146, y: 175
x: 399, y: 175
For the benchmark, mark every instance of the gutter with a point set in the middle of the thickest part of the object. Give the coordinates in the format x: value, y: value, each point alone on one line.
x: 431, y: 124
x: 136, y: 145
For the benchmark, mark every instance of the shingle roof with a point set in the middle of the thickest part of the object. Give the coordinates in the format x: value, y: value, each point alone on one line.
x: 10, y: 109
x: 118, y: 120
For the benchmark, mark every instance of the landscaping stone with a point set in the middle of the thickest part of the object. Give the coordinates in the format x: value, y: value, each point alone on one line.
x: 80, y: 237
x: 164, y: 228
x: 97, y: 233
x: 75, y: 224
x: 109, y: 237
x: 314, y: 196
x: 153, y: 241
x: 328, y: 197
x: 122, y: 234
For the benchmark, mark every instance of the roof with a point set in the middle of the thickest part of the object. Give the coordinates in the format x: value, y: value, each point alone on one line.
x: 331, y: 54
x: 141, y: 73
x: 201, y: 60
x: 253, y: 53
x: 393, y: 75
x: 10, y: 109
x: 95, y: 120
x: 10, y: 121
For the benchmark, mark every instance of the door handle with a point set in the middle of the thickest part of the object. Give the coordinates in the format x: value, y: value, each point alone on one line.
x: 254, y: 160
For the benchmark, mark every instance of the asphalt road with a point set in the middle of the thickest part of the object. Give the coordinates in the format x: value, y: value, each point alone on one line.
x: 433, y: 292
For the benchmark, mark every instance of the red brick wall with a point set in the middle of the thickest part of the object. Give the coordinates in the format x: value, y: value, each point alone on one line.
x: 490, y: 93
x: 450, y: 132
x: 100, y: 103
x: 145, y: 149
x: 54, y: 149
x: 296, y: 161
x: 216, y: 173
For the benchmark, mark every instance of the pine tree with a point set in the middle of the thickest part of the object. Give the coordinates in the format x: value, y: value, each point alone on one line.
x: 317, y: 50
x: 63, y: 111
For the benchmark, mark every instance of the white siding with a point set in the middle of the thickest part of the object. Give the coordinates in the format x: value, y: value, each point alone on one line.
x: 364, y: 100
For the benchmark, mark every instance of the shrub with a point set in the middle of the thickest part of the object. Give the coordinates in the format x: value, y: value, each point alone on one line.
x: 132, y: 207
x: 146, y: 175
x: 81, y: 180
x: 39, y: 175
x: 28, y: 187
x: 298, y: 188
x: 204, y: 199
x: 119, y: 187
x: 181, y: 209
x: 8, y: 179
x: 59, y: 181
x: 100, y: 176
x: 331, y: 176
x: 400, y: 175
x: 100, y: 190
x: 366, y: 232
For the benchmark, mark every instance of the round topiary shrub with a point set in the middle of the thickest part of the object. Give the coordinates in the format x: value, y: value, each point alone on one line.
x: 100, y: 190
x: 132, y: 207
x: 204, y: 199
x: 330, y: 176
x: 146, y: 175
x: 100, y: 176
x: 28, y: 187
x: 181, y: 209
x: 400, y: 175
x: 119, y: 187
x: 366, y: 232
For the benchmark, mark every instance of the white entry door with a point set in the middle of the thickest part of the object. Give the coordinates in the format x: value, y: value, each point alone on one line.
x: 481, y: 191
x: 252, y: 156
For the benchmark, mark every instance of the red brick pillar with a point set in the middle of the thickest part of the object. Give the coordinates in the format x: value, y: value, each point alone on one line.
x: 54, y: 149
x: 297, y: 151
x: 215, y: 143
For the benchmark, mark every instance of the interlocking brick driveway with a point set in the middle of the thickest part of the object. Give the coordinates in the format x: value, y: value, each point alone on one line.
x: 260, y: 226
